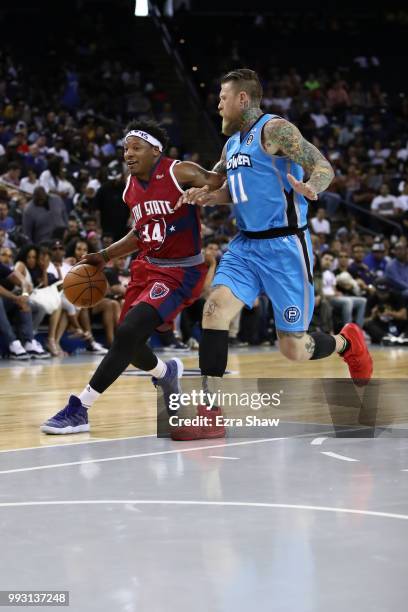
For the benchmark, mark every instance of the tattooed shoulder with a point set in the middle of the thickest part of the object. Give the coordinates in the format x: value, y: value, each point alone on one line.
x: 282, y: 136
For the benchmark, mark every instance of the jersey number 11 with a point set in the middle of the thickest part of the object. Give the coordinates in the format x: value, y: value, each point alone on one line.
x: 242, y: 195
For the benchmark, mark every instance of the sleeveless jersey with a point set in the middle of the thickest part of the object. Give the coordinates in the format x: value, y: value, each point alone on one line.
x: 161, y: 231
x: 263, y: 198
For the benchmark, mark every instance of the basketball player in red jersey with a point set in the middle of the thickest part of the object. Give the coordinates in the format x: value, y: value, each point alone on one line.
x: 167, y: 275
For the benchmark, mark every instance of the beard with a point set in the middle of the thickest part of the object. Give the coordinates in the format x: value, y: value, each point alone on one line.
x: 229, y: 127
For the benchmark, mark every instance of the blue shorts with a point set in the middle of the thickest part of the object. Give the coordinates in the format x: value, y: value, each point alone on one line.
x: 280, y: 267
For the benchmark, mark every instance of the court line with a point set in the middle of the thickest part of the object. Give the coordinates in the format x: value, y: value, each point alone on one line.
x: 153, y: 454
x: 223, y: 457
x: 136, y: 456
x: 100, y: 502
x: 336, y: 456
x: 318, y: 441
x: 93, y: 441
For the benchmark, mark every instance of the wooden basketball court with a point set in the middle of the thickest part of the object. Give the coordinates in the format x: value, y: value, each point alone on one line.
x: 31, y: 393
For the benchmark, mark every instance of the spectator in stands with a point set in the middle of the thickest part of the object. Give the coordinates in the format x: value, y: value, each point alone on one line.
x: 319, y: 223
x: 6, y: 256
x: 22, y: 345
x: 69, y: 315
x: 30, y: 182
x: 396, y: 271
x: 94, y: 241
x: 73, y: 231
x: 32, y: 263
x: 58, y: 150
x: 403, y: 199
x: 7, y: 223
x: 360, y: 270
x: 113, y: 213
x: 387, y: 320
x: 376, y: 260
x: 35, y: 160
x: 107, y: 240
x: 337, y: 96
x: 343, y: 263
x: 322, y: 319
x: 374, y: 179
x: 386, y: 204
x: 349, y: 306
x: 54, y: 182
x: 43, y: 215
x: 84, y: 200
x: 117, y: 276
x: 108, y: 308
x: 12, y: 176
x: 5, y: 241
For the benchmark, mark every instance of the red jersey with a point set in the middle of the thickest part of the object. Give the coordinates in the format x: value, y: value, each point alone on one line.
x: 163, y: 232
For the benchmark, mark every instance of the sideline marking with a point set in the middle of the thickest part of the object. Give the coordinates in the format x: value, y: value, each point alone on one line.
x: 96, y: 502
x: 336, y: 456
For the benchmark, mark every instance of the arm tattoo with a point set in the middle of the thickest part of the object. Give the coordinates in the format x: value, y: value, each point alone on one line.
x: 279, y: 133
x: 221, y: 166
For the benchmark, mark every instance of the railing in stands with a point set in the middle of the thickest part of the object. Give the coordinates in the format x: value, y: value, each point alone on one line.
x: 369, y: 213
x: 182, y: 72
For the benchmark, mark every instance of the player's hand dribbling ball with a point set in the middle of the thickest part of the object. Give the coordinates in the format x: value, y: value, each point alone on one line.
x: 85, y: 286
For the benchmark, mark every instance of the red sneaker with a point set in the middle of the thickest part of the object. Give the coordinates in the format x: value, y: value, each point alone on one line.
x: 201, y: 432
x: 357, y: 356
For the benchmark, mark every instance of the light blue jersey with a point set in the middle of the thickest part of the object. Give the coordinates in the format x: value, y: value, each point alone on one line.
x: 258, y: 183
x: 279, y: 263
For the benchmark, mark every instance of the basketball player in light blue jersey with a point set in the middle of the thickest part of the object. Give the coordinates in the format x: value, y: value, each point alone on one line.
x: 266, y: 161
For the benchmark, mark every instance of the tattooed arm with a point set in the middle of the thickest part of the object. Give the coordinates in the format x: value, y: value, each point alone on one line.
x: 189, y: 173
x: 221, y: 166
x: 280, y: 136
x: 205, y: 194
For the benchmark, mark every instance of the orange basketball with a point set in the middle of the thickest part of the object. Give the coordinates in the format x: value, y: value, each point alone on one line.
x: 84, y: 285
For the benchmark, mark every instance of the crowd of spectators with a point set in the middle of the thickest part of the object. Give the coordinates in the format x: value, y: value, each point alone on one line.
x: 62, y: 178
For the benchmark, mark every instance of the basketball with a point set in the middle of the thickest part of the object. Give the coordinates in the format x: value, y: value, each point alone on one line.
x: 85, y: 286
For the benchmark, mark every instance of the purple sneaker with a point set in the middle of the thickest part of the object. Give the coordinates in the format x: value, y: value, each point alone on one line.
x: 71, y: 419
x: 170, y: 383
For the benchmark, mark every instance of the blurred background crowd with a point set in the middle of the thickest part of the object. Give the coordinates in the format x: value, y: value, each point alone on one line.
x: 62, y: 173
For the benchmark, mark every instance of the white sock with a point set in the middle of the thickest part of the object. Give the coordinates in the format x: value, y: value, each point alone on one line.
x: 160, y: 370
x: 88, y: 396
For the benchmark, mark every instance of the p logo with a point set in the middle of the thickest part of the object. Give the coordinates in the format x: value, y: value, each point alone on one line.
x: 291, y: 314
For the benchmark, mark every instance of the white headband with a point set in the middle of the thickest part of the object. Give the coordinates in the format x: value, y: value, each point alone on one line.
x: 146, y: 136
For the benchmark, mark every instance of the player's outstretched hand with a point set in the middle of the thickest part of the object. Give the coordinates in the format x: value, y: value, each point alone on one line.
x: 195, y: 195
x: 94, y: 259
x: 303, y: 188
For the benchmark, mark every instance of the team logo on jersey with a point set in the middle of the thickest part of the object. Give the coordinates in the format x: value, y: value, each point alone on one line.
x: 159, y: 176
x: 158, y: 290
x: 239, y: 159
x: 291, y: 314
x: 249, y: 139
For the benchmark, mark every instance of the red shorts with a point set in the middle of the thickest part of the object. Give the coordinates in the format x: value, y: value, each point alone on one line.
x: 168, y: 290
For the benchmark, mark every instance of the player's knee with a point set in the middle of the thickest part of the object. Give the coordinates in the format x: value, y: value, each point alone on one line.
x: 215, y: 314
